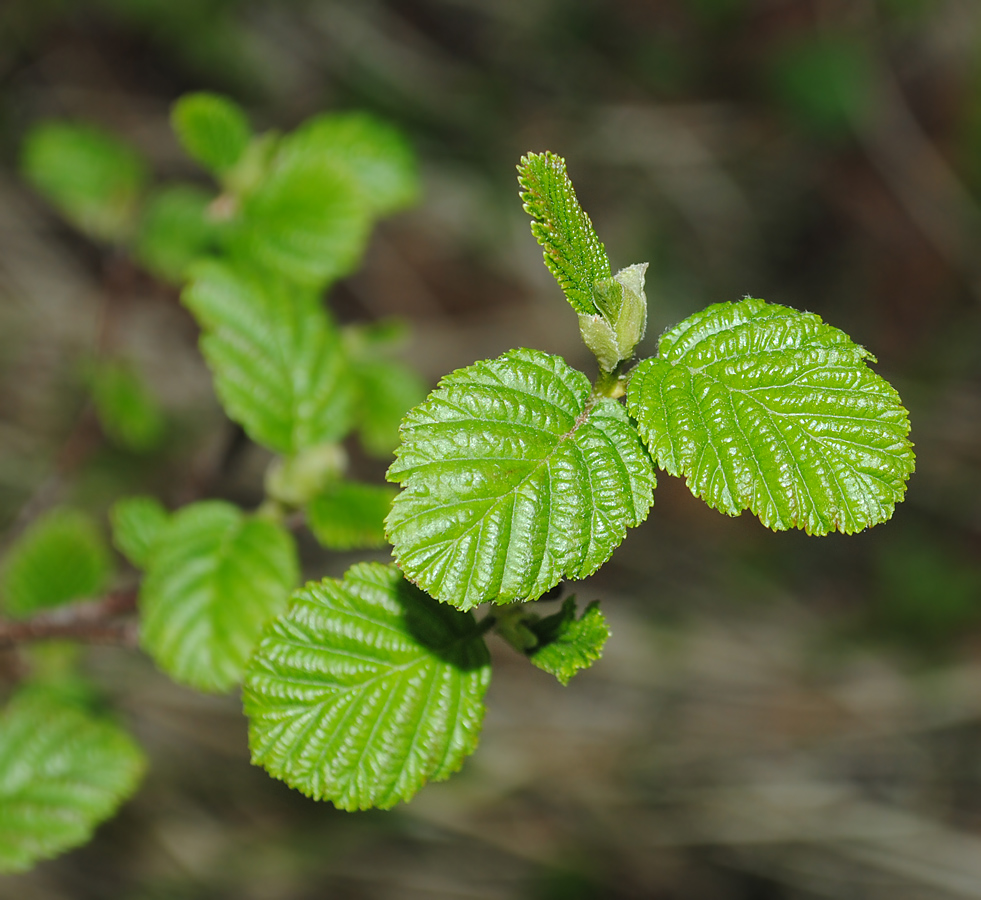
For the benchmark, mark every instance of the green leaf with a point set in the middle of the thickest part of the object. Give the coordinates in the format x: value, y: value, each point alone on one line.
x: 567, y: 644
x: 175, y: 231
x: 388, y: 390
x: 212, y: 129
x: 349, y: 515
x: 215, y: 578
x: 137, y: 523
x: 307, y: 219
x: 60, y: 558
x: 514, y: 477
x: 93, y: 178
x: 277, y: 359
x: 62, y: 772
x: 365, y: 689
x: 764, y: 408
x: 376, y: 155
x: 573, y: 252
x: 128, y: 413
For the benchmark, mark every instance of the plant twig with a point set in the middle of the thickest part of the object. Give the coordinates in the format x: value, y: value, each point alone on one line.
x: 91, y: 622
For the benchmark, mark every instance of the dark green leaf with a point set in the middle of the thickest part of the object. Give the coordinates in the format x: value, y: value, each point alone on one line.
x: 567, y: 644
x: 365, y: 689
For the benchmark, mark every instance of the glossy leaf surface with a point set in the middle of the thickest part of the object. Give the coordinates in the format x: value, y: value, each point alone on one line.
x: 567, y: 644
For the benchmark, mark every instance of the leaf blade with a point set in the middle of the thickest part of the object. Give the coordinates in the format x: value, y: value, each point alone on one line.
x: 212, y: 129
x: 765, y: 408
x: 513, y: 478
x: 365, y: 689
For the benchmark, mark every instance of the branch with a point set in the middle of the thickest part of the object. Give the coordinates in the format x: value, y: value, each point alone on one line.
x: 90, y: 622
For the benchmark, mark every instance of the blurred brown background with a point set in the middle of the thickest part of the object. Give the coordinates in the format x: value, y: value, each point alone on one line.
x: 777, y: 717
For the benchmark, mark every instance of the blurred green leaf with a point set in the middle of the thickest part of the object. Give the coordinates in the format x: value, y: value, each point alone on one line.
x: 567, y: 644
x: 215, y: 578
x: 137, y: 523
x: 92, y: 177
x: 128, y: 413
x: 349, y: 515
x: 365, y: 689
x: 62, y: 772
x: 60, y: 558
x: 213, y: 129
x: 377, y: 156
x: 175, y: 230
x: 278, y: 361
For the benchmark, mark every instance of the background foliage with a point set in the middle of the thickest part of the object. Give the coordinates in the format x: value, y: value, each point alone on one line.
x: 774, y: 716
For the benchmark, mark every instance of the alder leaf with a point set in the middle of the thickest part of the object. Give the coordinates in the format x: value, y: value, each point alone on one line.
x: 215, y: 578
x: 175, y: 230
x: 277, y: 358
x: 137, y: 523
x: 365, y: 689
x: 514, y: 478
x: 92, y: 177
x: 62, y: 557
x: 349, y: 515
x: 388, y: 390
x: 573, y: 252
x: 62, y: 772
x: 212, y: 129
x: 567, y: 644
x: 765, y: 408
x: 128, y: 412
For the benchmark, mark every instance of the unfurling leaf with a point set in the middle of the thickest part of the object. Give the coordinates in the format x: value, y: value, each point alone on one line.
x: 137, y: 523
x: 365, y: 689
x: 765, y: 408
x: 277, y: 358
x: 514, y: 476
x: 62, y: 772
x: 62, y: 557
x: 215, y: 578
x: 567, y: 644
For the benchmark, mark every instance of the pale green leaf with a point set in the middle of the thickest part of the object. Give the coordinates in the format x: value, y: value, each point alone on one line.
x: 349, y: 515
x: 377, y: 156
x: 573, y: 252
x: 176, y: 229
x: 514, y: 477
x: 216, y: 577
x: 277, y: 359
x: 92, y: 177
x: 307, y: 219
x: 212, y: 129
x: 127, y: 411
x: 765, y: 408
x: 62, y: 772
x: 567, y: 644
x: 137, y: 523
x: 365, y: 689
x: 60, y: 558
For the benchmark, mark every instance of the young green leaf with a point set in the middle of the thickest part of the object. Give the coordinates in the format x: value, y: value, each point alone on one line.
x: 60, y: 558
x: 514, y: 477
x: 365, y: 689
x: 375, y: 154
x: 212, y: 129
x: 349, y: 515
x: 175, y: 230
x: 765, y: 408
x: 137, y: 523
x: 573, y: 252
x: 62, y: 772
x: 277, y: 358
x: 93, y: 178
x: 307, y: 219
x: 567, y: 644
x: 215, y: 578
x: 128, y: 413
